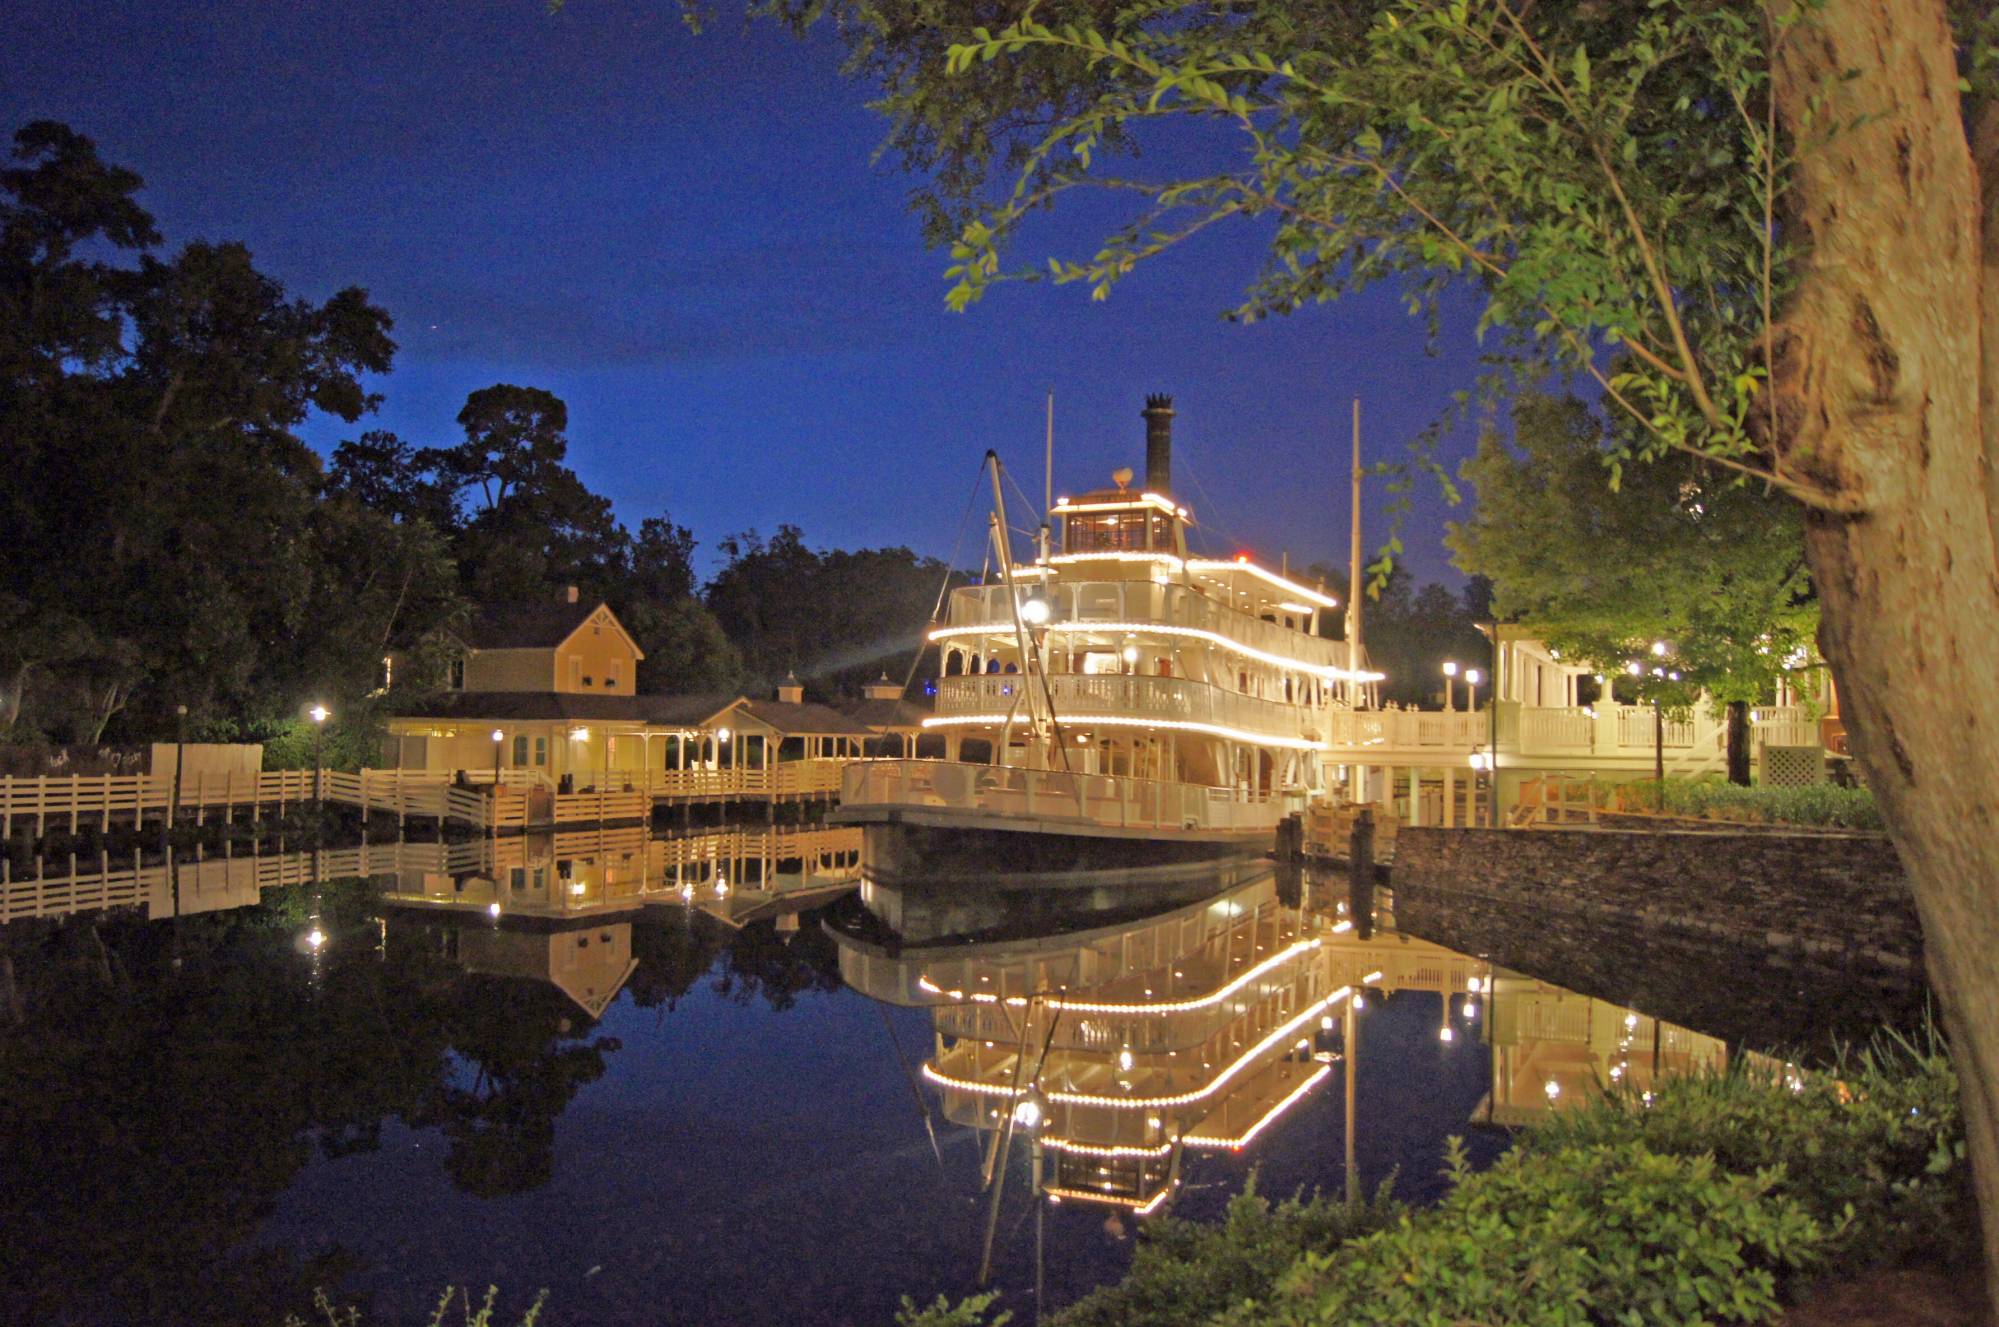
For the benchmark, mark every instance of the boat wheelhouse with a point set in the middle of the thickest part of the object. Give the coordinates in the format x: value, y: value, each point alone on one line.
x: 1120, y: 686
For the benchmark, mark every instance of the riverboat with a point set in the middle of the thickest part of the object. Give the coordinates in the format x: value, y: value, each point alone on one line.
x: 1117, y: 700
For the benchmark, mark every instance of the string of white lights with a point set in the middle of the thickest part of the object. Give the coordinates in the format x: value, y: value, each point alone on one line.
x: 1328, y: 672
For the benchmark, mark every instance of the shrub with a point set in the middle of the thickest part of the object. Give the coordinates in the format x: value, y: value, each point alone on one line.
x: 1185, y: 1272
x: 1713, y: 798
x: 1873, y: 1148
x: 1607, y: 1233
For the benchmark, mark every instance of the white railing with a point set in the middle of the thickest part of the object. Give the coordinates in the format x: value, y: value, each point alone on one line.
x: 785, y: 778
x: 1108, y: 800
x: 1111, y: 603
x: 1638, y: 730
x: 1784, y: 725
x: 1081, y: 697
x: 1565, y: 729
x: 1398, y: 730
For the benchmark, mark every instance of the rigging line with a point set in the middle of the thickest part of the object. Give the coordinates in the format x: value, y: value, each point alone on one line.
x: 1208, y: 503
x: 909, y: 1076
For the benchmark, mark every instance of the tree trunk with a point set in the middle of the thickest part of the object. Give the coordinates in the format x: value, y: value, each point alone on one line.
x: 1738, y: 743
x: 1886, y: 396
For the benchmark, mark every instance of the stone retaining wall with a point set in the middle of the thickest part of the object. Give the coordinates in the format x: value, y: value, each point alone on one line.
x: 1800, y: 919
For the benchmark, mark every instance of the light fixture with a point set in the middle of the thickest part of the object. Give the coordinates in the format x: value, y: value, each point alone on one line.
x: 1131, y: 654
x: 579, y: 735
x: 1446, y: 1033
x: 722, y: 735
x: 499, y: 736
x: 1658, y: 649
x: 318, y: 713
x: 1552, y: 1088
x: 1450, y: 668
x: 1034, y: 610
x: 1125, y: 1060
x: 1472, y: 675
x: 493, y: 910
x: 1632, y: 668
x: 315, y: 938
x: 1468, y: 1009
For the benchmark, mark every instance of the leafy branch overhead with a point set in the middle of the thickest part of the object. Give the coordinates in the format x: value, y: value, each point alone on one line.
x: 1607, y: 177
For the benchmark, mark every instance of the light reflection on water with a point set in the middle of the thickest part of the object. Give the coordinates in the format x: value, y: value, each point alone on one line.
x: 703, y: 1078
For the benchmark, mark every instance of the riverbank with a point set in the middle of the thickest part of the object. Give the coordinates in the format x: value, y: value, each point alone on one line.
x: 1732, y: 1197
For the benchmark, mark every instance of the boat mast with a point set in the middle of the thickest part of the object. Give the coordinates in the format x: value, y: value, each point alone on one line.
x: 1005, y: 556
x: 1353, y: 574
x: 1048, y: 480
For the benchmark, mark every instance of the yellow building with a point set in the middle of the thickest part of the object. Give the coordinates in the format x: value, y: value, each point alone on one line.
x: 546, y: 694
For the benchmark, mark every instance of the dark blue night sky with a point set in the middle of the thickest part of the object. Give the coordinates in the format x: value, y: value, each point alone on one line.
x: 684, y: 237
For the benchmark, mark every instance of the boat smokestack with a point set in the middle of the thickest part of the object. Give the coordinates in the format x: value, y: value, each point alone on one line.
x: 1158, y: 414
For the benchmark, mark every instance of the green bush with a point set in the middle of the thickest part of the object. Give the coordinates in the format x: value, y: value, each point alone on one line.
x: 1608, y: 1233
x: 1873, y: 1148
x: 1714, y: 798
x: 1185, y: 1272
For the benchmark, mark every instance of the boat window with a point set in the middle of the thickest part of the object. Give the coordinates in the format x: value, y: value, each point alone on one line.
x: 1105, y: 532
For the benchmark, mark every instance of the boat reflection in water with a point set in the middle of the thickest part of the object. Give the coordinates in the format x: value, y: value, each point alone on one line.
x: 1115, y: 1052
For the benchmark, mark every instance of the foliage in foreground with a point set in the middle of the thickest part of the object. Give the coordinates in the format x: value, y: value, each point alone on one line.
x: 1188, y: 1271
x: 1713, y: 798
x: 1873, y: 1148
x: 1711, y: 1201
x: 1607, y: 1233
x: 470, y: 1314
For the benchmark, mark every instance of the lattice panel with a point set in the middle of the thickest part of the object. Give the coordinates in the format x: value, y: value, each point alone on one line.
x: 1793, y: 766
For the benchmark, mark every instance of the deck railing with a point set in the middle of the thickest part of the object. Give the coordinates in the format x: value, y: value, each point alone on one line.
x: 1081, y: 697
x: 1112, y: 604
x: 1108, y: 800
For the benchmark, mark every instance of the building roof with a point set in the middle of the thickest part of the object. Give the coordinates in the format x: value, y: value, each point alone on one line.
x: 885, y: 715
x: 478, y: 706
x: 697, y: 711
x: 801, y: 717
x: 534, y: 626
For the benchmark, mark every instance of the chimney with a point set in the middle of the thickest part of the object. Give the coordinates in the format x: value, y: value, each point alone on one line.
x: 882, y: 689
x: 1158, y: 414
x: 791, y: 691
x: 569, y: 594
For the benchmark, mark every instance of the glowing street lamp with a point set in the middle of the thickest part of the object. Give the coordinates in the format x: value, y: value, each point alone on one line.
x: 498, y: 738
x: 1450, y: 684
x: 319, y: 715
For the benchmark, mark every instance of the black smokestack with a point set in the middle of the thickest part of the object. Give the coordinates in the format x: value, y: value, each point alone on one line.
x: 1158, y: 414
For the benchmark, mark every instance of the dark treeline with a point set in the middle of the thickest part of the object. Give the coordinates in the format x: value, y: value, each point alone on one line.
x: 1410, y: 631
x: 171, y: 540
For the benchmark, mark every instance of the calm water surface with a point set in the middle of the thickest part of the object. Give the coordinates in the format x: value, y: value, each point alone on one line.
x: 706, y: 1080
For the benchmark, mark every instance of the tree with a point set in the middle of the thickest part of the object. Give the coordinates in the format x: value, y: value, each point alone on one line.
x: 1768, y: 232
x: 535, y: 526
x: 836, y: 618
x: 1675, y: 554
x: 157, y: 499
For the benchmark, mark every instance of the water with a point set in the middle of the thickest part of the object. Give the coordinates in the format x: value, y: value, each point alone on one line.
x: 630, y: 1071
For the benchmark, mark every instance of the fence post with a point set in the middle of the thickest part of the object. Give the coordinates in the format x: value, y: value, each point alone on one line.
x: 75, y: 801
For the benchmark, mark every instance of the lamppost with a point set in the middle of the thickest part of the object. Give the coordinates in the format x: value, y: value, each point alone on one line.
x: 1486, y: 762
x: 180, y: 757
x: 498, y: 738
x: 1450, y: 684
x: 318, y: 714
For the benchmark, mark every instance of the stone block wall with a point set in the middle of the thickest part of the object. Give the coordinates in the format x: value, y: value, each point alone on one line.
x: 1693, y: 926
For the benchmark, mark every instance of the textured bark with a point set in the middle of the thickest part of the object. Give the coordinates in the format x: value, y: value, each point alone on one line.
x: 1885, y: 393
x: 1738, y: 742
